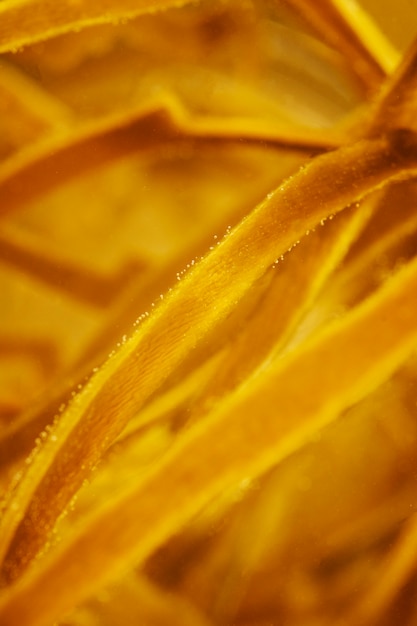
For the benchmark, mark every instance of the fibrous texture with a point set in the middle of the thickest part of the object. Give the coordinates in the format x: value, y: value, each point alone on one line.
x: 208, y: 341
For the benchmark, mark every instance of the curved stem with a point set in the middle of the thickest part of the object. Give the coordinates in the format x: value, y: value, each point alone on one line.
x: 24, y: 22
x: 194, y: 308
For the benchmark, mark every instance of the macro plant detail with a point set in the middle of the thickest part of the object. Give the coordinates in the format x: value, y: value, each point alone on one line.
x: 209, y: 315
